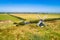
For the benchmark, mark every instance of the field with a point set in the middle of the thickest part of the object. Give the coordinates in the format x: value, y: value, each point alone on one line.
x: 9, y: 31
x: 35, y: 16
x: 8, y: 17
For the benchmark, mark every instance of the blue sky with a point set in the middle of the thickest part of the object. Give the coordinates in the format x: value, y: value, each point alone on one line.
x: 30, y: 6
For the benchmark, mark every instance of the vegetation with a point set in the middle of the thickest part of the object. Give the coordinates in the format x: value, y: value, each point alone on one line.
x: 30, y: 17
x: 29, y: 31
x: 8, y: 17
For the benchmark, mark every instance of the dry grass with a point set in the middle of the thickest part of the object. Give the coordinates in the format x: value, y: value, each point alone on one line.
x: 35, y: 16
x: 31, y: 31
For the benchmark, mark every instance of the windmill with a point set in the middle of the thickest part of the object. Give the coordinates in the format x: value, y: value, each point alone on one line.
x: 41, y: 21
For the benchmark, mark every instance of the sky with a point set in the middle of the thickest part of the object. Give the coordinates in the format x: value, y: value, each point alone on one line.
x: 52, y: 6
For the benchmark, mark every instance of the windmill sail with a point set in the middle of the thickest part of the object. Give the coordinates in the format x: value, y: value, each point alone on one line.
x: 41, y: 22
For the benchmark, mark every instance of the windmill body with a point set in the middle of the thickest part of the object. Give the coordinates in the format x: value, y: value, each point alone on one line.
x: 40, y: 23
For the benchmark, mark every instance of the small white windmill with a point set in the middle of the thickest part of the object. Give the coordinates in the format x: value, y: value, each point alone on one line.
x: 41, y: 21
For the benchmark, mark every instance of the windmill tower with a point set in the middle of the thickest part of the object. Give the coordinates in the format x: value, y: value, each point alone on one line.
x: 41, y: 21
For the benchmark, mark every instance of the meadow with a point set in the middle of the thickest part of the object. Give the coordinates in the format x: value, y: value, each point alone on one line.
x: 8, y: 31
x: 8, y: 17
x: 37, y: 16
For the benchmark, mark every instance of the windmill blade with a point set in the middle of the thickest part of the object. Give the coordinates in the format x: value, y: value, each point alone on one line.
x: 45, y: 17
x: 39, y: 17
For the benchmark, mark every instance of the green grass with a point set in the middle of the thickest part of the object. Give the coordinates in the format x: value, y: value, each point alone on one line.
x: 8, y: 17
x: 29, y: 31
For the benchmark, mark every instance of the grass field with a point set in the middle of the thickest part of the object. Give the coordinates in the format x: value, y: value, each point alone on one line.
x: 8, y: 17
x: 35, y: 16
x: 30, y: 31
